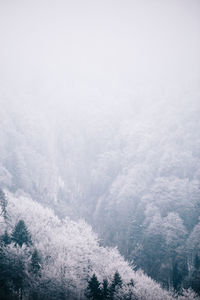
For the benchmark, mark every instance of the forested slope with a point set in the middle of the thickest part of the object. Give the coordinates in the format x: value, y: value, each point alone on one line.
x: 99, y: 121
x: 44, y: 257
x: 130, y: 168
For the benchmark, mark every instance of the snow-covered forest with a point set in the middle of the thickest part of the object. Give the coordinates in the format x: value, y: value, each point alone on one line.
x: 99, y: 150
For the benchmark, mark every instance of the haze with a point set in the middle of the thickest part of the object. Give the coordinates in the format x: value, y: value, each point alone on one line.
x: 100, y: 135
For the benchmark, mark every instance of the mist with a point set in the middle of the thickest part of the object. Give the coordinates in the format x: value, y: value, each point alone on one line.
x: 100, y: 150
x: 90, y: 49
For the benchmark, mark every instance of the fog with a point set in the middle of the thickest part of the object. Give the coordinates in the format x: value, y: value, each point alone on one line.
x: 99, y: 132
x: 99, y: 49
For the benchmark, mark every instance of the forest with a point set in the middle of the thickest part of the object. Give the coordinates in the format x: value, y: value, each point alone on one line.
x: 42, y: 257
x: 99, y: 150
x: 139, y: 190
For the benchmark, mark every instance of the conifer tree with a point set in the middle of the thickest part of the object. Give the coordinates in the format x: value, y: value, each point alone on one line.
x: 13, y: 275
x: 93, y: 291
x: 116, y: 283
x: 131, y: 283
x: 105, y: 289
x: 35, y: 265
x: 197, y: 262
x: 21, y: 234
x: 6, y: 239
x: 3, y: 203
x: 195, y: 276
x: 176, y: 277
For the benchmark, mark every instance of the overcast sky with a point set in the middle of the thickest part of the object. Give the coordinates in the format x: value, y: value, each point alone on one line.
x: 95, y: 48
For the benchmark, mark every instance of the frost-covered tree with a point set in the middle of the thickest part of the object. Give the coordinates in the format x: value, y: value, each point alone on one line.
x: 70, y: 253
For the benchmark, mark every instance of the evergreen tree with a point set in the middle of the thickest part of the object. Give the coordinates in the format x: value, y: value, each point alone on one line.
x: 3, y: 203
x: 105, y: 289
x: 93, y: 291
x: 176, y: 277
x: 195, y: 281
x: 196, y: 262
x: 131, y: 283
x: 195, y: 276
x: 6, y: 239
x: 21, y: 234
x: 116, y: 283
x: 13, y: 275
x: 35, y: 265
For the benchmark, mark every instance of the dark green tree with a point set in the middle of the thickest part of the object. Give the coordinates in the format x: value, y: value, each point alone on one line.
x: 13, y: 275
x: 21, y: 235
x: 197, y: 262
x: 93, y: 290
x: 105, y: 290
x: 152, y: 254
x: 176, y: 276
x: 35, y: 265
x: 195, y: 276
x: 131, y: 283
x: 3, y: 203
x: 116, y: 283
x: 5, y: 238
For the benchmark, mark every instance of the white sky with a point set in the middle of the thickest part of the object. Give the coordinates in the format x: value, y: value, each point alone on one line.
x: 93, y: 48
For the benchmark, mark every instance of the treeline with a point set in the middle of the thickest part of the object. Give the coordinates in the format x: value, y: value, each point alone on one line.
x: 97, y: 290
x: 42, y: 257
